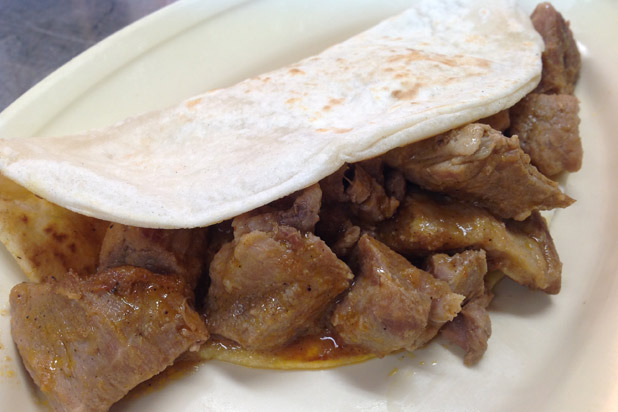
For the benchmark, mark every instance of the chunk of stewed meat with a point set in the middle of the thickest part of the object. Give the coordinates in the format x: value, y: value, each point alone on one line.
x: 478, y: 164
x: 427, y: 223
x: 269, y: 287
x: 87, y: 341
x: 355, y: 197
x: 162, y: 251
x: 471, y: 329
x: 337, y: 230
x: 548, y: 128
x: 499, y: 121
x: 368, y: 199
x: 561, y: 59
x: 392, y: 305
x: 360, y: 193
x: 395, y: 184
x: 464, y: 272
x: 299, y: 210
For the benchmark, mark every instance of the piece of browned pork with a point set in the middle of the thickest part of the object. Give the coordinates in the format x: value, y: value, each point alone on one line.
x: 362, y: 193
x: 471, y: 329
x: 299, y: 210
x: 499, y: 121
x: 87, y: 341
x: 337, y: 229
x: 426, y: 223
x: 392, y: 305
x: 162, y: 251
x: 357, y: 195
x: 548, y: 128
x: 464, y: 272
x: 561, y: 59
x: 273, y: 282
x: 478, y: 164
x: 269, y: 287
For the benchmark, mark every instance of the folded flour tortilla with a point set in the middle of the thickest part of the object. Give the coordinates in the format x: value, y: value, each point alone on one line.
x: 430, y: 69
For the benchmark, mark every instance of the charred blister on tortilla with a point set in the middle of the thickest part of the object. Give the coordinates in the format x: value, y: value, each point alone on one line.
x: 380, y: 256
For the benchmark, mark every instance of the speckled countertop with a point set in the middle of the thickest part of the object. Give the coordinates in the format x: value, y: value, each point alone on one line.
x: 39, y: 36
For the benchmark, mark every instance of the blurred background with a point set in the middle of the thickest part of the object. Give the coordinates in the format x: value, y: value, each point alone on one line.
x: 39, y: 36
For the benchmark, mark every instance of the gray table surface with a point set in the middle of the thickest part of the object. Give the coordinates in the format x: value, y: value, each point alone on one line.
x: 39, y: 36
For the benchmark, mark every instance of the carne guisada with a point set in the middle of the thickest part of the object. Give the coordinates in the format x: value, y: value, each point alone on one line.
x: 381, y: 255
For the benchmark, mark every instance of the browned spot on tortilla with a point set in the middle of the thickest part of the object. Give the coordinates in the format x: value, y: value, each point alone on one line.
x: 45, y: 238
x: 457, y: 60
x: 295, y: 71
x: 450, y: 80
x: 416, y: 55
x: 326, y: 108
x: 471, y: 61
x: 388, y: 69
x: 55, y: 234
x: 482, y: 62
x: 334, y: 101
x: 402, y: 75
x: 265, y: 79
x: 193, y: 102
x: 292, y: 100
x: 394, y: 59
x: 406, y: 94
x: 334, y: 129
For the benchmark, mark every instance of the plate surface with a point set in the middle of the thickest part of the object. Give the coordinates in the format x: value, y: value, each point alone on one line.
x: 557, y: 353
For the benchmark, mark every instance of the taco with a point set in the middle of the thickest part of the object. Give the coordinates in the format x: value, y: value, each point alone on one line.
x: 348, y: 206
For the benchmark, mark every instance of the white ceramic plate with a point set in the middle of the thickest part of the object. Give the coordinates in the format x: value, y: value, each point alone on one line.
x: 557, y: 353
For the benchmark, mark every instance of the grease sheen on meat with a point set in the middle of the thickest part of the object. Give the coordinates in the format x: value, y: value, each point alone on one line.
x: 524, y: 251
x: 269, y: 287
x: 392, y: 305
x: 478, y: 164
x: 87, y: 341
